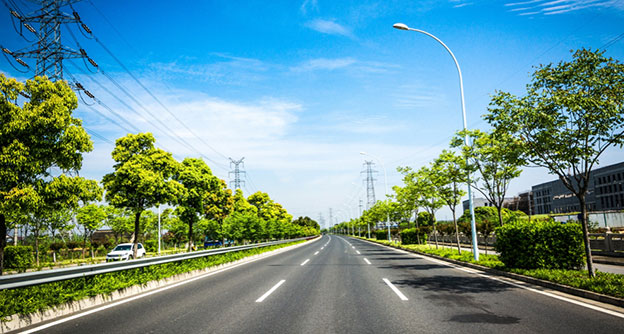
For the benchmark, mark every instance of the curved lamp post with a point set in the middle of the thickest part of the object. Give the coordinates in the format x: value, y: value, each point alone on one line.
x: 386, y: 188
x: 402, y: 26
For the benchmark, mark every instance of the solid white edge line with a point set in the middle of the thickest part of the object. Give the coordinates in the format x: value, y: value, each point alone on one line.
x: 304, y: 262
x: 366, y: 260
x: 545, y: 293
x: 316, y: 252
x: 80, y: 315
x: 259, y: 300
x: 394, y: 288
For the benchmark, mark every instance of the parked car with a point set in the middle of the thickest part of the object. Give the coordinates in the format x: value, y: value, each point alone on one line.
x: 123, y: 252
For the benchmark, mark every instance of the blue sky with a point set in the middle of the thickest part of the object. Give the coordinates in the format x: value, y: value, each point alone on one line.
x: 299, y: 88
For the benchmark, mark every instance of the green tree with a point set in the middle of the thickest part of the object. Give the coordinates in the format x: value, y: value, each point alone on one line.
x: 424, y: 182
x: 218, y: 204
x: 448, y: 171
x: 573, y: 111
x: 272, y: 213
x: 36, y: 136
x: 119, y: 221
x: 141, y: 178
x: 197, y: 181
x: 91, y: 217
x: 497, y: 158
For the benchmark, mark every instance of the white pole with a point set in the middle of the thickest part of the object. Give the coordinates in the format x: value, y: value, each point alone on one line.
x: 473, y: 227
x: 159, y: 229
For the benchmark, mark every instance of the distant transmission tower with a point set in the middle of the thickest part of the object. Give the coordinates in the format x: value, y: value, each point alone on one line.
x: 47, y: 48
x: 370, y: 184
x: 322, y: 221
x: 237, y: 182
x: 331, y: 217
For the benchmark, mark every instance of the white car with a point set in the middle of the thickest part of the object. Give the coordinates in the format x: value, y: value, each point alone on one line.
x: 123, y: 252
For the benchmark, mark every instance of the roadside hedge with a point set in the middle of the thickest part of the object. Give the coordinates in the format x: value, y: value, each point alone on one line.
x: 18, y: 257
x: 381, y: 234
x: 411, y: 236
x: 536, y: 245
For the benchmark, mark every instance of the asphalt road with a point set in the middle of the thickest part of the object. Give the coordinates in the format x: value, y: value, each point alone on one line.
x: 328, y: 286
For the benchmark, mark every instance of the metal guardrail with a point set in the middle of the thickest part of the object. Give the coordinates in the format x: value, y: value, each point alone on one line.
x: 61, y: 274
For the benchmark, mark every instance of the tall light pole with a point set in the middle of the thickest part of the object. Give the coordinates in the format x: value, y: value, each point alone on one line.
x: 386, y: 188
x: 473, y: 227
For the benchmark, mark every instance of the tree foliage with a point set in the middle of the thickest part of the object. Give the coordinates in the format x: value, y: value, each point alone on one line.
x: 38, y: 138
x: 572, y: 112
x: 141, y: 178
x: 497, y: 159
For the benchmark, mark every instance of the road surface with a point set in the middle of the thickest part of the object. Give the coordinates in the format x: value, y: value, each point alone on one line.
x: 342, y: 285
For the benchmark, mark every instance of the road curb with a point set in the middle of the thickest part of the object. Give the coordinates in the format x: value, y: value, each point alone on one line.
x: 16, y: 321
x: 527, y: 279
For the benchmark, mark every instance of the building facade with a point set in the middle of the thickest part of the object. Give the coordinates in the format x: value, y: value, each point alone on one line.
x: 605, y: 192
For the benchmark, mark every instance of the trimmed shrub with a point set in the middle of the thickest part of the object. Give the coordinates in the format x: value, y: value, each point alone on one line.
x: 18, y: 257
x: 56, y: 246
x: 549, y: 245
x: 151, y: 245
x: 410, y: 236
x: 381, y: 234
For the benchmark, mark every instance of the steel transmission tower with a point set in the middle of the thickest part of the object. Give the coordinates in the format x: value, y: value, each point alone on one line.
x: 237, y: 182
x: 48, y: 49
x: 370, y: 184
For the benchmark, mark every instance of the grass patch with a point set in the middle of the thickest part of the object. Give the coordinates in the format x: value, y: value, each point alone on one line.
x: 31, y: 299
x: 605, y: 283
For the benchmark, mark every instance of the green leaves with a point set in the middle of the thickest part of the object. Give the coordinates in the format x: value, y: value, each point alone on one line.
x: 35, y: 137
x: 142, y: 176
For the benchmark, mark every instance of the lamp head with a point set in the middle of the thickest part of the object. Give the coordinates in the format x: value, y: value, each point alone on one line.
x: 363, y: 153
x: 401, y: 26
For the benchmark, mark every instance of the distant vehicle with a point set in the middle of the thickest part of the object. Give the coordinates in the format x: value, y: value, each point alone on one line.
x: 123, y: 252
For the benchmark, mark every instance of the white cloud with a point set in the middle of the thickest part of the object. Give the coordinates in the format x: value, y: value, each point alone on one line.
x: 324, y: 64
x: 553, y: 7
x: 308, y: 5
x: 329, y: 27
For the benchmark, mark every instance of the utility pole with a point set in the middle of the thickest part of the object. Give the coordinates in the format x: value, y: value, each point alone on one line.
x: 47, y: 48
x: 360, y: 206
x: 237, y: 172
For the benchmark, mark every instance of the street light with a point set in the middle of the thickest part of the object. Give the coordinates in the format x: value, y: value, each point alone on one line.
x: 386, y: 187
x: 402, y: 26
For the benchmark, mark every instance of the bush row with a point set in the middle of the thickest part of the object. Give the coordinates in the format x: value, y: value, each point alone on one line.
x: 415, y: 235
x: 545, y: 244
x: 38, y: 298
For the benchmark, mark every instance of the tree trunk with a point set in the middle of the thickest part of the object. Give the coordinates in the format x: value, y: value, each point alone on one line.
x: 36, y: 232
x: 137, y: 229
x: 84, y: 243
x: 3, y: 233
x: 456, y: 233
x: 435, y: 232
x: 190, y: 235
x: 499, y: 208
x: 417, y: 227
x: 91, y: 239
x: 588, y: 255
x: 15, y: 235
